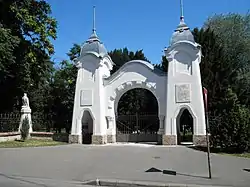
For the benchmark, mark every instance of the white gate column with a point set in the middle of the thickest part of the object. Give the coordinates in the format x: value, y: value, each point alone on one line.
x: 111, y: 131
x: 161, y: 128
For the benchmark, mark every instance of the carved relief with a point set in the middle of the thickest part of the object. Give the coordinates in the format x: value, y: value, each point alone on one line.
x: 86, y: 98
x: 182, y: 93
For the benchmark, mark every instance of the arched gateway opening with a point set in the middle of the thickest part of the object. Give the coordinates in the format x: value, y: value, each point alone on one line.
x: 137, y: 116
x: 185, y: 127
x: 87, y: 127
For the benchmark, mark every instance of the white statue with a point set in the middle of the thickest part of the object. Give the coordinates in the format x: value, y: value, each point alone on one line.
x: 25, y: 100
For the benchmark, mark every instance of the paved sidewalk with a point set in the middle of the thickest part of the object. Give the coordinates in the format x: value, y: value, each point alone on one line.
x: 52, y: 166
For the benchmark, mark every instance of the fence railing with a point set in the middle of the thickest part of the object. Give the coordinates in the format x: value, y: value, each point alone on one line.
x: 9, y: 122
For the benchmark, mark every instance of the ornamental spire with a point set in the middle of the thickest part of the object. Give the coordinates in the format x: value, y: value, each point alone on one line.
x: 181, y: 9
x: 93, y: 36
x: 94, y: 29
x: 182, y: 26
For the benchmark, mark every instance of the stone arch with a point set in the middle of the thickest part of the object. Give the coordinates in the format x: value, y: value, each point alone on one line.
x: 138, y: 125
x: 178, y: 113
x: 86, y: 109
x: 130, y: 85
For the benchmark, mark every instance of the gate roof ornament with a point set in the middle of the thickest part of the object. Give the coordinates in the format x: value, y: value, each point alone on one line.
x: 93, y: 45
x: 182, y: 33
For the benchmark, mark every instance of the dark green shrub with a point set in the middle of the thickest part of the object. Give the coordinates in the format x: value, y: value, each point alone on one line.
x: 25, y: 129
x: 231, y: 133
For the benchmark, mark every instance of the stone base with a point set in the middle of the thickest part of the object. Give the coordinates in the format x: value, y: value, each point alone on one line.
x: 99, y: 139
x: 111, y: 138
x: 75, y: 139
x: 200, y: 140
x: 23, y: 116
x: 169, y: 140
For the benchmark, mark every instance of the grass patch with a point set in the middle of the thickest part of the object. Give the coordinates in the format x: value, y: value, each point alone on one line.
x: 244, y: 155
x: 221, y: 151
x: 30, y: 143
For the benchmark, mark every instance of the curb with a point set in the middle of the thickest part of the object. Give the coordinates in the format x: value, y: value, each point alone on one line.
x: 126, y: 183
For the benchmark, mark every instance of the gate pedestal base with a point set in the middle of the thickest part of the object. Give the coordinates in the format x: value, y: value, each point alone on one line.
x: 75, y: 139
x: 111, y: 138
x: 200, y: 140
x: 99, y: 139
x: 168, y: 139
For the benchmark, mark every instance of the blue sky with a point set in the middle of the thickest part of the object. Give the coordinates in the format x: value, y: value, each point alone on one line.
x: 136, y: 24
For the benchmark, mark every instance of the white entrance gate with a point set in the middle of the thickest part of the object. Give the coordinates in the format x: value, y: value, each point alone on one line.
x: 98, y: 92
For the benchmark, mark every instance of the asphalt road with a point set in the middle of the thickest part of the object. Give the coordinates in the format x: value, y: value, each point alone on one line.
x: 70, y: 165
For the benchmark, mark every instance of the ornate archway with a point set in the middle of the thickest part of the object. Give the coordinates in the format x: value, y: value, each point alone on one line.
x: 137, y: 116
x: 186, y: 125
x: 133, y: 127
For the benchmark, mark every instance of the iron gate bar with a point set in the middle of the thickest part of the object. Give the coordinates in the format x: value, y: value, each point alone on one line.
x: 137, y: 127
x: 123, y: 125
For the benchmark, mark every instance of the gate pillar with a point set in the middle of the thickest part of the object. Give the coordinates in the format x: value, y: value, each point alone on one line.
x: 111, y: 131
x: 161, y: 128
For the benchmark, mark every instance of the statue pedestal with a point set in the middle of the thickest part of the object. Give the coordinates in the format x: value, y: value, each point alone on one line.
x: 25, y: 112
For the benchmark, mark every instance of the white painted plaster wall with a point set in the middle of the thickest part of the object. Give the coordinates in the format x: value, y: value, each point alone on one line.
x: 179, y: 56
x: 94, y: 74
x: 136, y: 74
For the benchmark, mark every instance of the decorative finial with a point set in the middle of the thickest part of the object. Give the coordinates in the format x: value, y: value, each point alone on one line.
x: 94, y: 29
x: 182, y: 26
x: 93, y: 36
x: 182, y: 14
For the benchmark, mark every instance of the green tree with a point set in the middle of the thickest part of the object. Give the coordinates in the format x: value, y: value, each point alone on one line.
x: 163, y: 65
x: 228, y: 119
x: 74, y: 52
x: 25, y: 33
x: 233, y: 32
x: 231, y: 129
x: 63, y: 91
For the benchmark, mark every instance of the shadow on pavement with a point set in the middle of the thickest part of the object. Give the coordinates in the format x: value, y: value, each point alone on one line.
x: 248, y: 170
x: 151, y: 170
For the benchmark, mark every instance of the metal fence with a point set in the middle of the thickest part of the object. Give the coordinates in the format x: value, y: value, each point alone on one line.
x: 137, y: 127
x: 41, y: 122
x: 9, y: 122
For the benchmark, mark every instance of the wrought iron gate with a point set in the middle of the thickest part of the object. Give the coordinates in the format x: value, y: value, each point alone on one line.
x: 137, y: 128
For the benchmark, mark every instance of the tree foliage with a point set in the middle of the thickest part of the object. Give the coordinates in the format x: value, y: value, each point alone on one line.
x: 26, y: 30
x: 63, y: 95
x: 233, y: 33
x: 228, y: 117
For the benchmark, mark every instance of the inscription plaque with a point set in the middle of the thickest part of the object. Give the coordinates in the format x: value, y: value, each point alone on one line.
x: 86, y: 98
x: 182, y: 93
